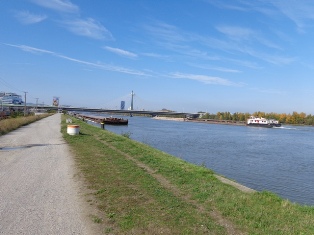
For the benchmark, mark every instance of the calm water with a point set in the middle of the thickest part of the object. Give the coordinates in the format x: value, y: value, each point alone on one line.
x: 280, y: 160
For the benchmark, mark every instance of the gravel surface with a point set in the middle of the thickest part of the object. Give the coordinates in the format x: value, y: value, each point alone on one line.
x: 38, y: 190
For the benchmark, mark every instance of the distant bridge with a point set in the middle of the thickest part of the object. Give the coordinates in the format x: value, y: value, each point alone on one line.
x: 95, y: 110
x: 120, y: 111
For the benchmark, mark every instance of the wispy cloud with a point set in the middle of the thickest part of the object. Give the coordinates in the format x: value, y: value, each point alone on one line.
x: 58, y: 5
x: 237, y: 41
x: 300, y: 12
x: 25, y: 17
x: 239, y: 34
x: 236, y: 33
x: 30, y: 49
x: 224, y: 5
x: 268, y: 91
x: 244, y: 63
x: 155, y: 55
x: 271, y: 58
x: 75, y: 24
x: 120, y: 52
x: 89, y: 28
x: 205, y: 79
x: 165, y: 32
x: 184, y: 43
x: 103, y: 66
x: 221, y: 69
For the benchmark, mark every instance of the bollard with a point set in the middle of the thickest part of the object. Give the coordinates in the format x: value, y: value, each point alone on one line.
x: 73, y: 129
x: 102, y: 125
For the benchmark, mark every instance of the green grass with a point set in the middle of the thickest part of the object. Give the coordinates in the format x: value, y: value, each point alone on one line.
x: 141, y: 190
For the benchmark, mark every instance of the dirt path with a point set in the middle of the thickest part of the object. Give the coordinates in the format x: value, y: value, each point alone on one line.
x: 38, y: 193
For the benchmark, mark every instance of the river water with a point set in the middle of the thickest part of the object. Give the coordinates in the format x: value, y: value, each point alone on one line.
x: 280, y: 160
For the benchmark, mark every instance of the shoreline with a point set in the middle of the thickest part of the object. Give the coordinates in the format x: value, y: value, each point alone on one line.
x: 207, y: 121
x: 169, y: 119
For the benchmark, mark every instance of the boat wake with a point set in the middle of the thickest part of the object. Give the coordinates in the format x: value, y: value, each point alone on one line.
x: 286, y: 128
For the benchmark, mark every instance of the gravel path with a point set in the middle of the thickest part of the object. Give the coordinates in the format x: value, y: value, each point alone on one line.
x: 38, y: 191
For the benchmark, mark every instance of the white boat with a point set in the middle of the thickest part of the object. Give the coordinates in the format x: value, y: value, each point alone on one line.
x: 262, y: 122
x: 274, y: 122
x: 10, y: 98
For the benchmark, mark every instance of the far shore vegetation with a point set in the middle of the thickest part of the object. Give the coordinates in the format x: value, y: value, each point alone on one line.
x: 294, y: 119
x: 140, y: 190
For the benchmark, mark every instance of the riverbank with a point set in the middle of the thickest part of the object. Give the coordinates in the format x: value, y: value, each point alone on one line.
x: 142, y: 190
x: 200, y: 120
x: 169, y: 119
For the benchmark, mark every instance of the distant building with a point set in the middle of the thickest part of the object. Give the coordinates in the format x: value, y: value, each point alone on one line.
x: 122, y: 107
x: 201, y: 114
x: 166, y: 110
x: 10, y: 98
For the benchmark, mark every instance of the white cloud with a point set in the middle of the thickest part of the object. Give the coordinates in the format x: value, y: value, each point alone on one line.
x: 209, y: 67
x: 165, y: 32
x: 271, y: 58
x: 103, y: 66
x: 89, y: 28
x: 58, y: 5
x: 154, y: 55
x: 29, y: 49
x: 236, y: 32
x: 241, y: 33
x: 120, y: 52
x: 229, y: 6
x: 300, y: 12
x: 205, y: 79
x: 25, y: 17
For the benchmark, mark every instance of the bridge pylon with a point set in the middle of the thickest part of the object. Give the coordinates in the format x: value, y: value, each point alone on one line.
x: 132, y: 96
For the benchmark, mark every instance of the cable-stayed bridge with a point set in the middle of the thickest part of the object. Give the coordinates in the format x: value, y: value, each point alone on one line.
x: 129, y: 102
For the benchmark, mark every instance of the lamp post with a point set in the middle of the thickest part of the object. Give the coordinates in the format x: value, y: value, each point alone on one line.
x: 36, y: 104
x: 25, y: 104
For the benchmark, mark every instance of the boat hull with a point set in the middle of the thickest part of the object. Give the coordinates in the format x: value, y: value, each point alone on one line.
x: 115, y: 121
x: 260, y: 125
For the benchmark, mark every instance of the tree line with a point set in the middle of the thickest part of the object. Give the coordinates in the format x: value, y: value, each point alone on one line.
x: 295, y: 118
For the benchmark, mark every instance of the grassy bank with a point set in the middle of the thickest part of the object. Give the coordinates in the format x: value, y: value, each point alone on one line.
x: 141, y: 190
x: 10, y: 124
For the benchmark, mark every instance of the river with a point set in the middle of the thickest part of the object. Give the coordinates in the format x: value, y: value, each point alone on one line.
x: 280, y: 160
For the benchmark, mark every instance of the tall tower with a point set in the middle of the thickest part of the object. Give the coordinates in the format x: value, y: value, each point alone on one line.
x: 132, y: 95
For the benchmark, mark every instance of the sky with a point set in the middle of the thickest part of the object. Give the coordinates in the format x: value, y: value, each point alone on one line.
x: 183, y: 55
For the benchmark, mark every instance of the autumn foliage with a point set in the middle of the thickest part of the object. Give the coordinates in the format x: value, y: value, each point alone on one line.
x: 295, y: 118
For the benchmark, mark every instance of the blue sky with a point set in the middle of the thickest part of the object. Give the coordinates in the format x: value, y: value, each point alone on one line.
x: 183, y: 55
